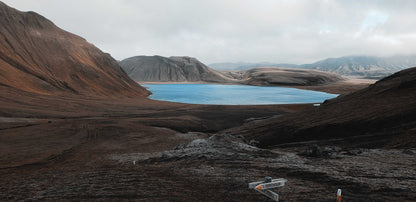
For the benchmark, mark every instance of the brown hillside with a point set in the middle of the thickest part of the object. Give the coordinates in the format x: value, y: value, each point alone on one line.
x: 37, y: 56
x: 383, y: 112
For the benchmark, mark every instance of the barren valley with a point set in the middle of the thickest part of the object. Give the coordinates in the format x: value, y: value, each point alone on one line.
x: 74, y: 126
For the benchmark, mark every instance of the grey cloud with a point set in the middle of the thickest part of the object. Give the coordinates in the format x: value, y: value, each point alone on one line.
x: 237, y: 30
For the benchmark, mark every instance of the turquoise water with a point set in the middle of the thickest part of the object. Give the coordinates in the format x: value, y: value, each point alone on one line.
x: 234, y: 94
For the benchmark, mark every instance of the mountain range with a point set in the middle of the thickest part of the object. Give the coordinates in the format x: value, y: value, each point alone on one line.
x: 354, y: 66
x: 187, y: 69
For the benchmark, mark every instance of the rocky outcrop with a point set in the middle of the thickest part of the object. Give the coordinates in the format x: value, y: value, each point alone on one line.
x: 172, y: 69
x: 383, y: 114
x: 38, y: 57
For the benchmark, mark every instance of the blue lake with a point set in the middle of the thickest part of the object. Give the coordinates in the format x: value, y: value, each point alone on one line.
x: 234, y: 94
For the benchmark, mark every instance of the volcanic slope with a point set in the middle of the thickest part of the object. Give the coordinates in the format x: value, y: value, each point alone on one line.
x: 38, y: 57
x: 382, y: 114
x: 172, y: 69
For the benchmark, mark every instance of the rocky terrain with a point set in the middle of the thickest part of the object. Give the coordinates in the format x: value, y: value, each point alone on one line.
x: 75, y: 127
x: 172, y: 69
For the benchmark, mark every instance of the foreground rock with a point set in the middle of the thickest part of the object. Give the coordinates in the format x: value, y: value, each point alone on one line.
x: 224, y: 165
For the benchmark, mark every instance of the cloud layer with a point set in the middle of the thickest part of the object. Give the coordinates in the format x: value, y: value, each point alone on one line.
x: 237, y: 30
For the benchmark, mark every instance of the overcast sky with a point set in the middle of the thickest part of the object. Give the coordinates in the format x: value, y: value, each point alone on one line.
x: 286, y: 31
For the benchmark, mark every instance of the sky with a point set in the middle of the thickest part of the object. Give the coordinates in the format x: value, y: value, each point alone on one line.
x: 280, y: 31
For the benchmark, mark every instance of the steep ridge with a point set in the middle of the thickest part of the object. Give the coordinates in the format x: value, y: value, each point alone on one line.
x: 38, y: 57
x: 172, y: 69
x: 385, y: 111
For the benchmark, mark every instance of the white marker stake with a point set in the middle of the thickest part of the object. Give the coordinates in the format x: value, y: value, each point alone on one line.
x: 134, y: 163
x: 339, y: 195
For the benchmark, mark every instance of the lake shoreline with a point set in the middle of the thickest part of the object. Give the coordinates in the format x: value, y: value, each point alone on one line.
x: 340, y: 87
x: 218, y: 94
